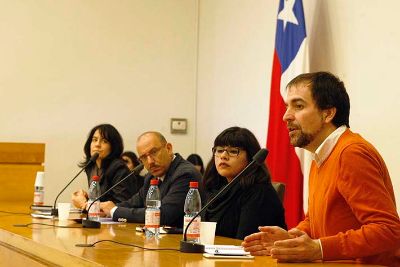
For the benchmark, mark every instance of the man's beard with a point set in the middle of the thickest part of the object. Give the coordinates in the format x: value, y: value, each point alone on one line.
x: 303, y: 139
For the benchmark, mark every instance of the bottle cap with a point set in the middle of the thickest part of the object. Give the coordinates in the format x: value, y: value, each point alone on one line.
x: 154, y: 182
x: 39, y: 179
x: 194, y: 184
x: 95, y: 178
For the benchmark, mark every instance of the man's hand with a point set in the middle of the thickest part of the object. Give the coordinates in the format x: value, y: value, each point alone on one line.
x: 79, y: 199
x: 260, y: 244
x: 300, y: 248
x: 106, y: 207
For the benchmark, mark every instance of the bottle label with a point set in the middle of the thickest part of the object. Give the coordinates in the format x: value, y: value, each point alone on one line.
x: 94, y: 209
x: 38, y: 198
x: 193, y: 231
x: 152, y: 218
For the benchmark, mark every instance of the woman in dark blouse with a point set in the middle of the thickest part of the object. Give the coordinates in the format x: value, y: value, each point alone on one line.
x: 105, y: 140
x: 197, y: 162
x: 131, y: 162
x: 251, y: 201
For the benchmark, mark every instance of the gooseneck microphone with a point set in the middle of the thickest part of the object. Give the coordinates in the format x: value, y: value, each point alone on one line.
x: 54, y: 210
x: 190, y: 247
x: 87, y: 223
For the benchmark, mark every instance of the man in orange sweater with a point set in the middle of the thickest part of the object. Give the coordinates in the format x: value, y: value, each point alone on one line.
x: 352, y: 209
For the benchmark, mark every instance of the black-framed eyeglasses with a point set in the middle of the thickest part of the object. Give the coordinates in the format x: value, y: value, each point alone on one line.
x: 153, y: 153
x: 231, y: 151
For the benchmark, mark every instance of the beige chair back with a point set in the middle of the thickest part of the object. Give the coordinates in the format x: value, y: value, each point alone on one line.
x: 280, y: 189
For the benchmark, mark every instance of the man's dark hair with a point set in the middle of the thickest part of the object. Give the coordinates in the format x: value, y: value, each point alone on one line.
x: 328, y: 91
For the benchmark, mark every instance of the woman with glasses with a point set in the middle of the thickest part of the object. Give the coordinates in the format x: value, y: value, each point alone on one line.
x: 105, y: 140
x: 252, y: 201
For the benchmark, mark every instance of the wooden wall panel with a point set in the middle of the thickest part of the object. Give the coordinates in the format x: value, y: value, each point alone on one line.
x: 17, y: 181
x: 19, y: 163
x: 20, y: 153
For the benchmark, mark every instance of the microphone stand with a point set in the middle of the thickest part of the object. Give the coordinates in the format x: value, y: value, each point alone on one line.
x: 54, y: 210
x: 190, y: 247
x: 87, y: 223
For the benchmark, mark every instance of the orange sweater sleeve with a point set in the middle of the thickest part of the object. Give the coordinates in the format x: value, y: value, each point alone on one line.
x: 304, y: 225
x: 363, y: 181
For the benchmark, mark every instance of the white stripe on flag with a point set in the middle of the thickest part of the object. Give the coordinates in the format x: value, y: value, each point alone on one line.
x: 300, y: 64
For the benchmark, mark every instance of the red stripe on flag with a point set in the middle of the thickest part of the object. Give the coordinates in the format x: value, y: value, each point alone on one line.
x: 282, y: 160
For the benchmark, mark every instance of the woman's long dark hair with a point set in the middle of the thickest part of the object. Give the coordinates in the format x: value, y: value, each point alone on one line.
x: 196, y: 160
x: 108, y: 132
x: 132, y: 156
x: 244, y: 139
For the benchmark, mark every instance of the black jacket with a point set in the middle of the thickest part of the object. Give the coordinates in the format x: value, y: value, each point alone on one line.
x: 238, y: 212
x: 173, y: 194
x: 114, y: 173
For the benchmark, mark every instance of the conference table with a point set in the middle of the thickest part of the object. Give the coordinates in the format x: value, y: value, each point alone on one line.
x: 49, y: 245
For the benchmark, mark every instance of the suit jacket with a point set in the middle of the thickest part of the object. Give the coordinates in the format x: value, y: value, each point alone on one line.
x: 114, y: 173
x: 173, y: 191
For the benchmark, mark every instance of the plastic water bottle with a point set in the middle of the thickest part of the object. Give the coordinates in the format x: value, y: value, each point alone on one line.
x: 38, y: 195
x: 192, y: 207
x: 153, y: 204
x: 94, y: 192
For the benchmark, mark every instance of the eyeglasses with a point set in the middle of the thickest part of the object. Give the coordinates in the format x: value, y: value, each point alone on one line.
x: 153, y: 153
x: 231, y: 151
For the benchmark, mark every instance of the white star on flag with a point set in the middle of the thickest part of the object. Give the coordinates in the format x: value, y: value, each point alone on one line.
x: 287, y: 15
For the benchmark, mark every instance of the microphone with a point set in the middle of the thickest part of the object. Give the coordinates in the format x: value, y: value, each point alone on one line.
x: 189, y: 247
x: 87, y: 223
x: 54, y: 210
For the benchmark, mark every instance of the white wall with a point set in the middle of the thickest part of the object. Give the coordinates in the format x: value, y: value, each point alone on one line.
x: 357, y: 40
x: 69, y: 65
x: 235, y: 55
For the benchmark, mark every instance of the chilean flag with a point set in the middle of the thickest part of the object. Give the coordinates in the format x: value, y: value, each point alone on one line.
x: 290, y: 60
